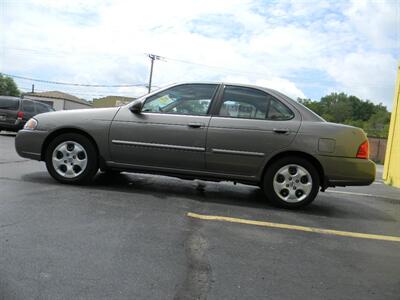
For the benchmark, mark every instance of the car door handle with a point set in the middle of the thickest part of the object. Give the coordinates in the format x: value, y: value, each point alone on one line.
x: 281, y: 130
x: 195, y: 125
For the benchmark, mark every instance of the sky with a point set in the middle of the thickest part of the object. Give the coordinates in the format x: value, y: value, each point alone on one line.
x: 302, y: 48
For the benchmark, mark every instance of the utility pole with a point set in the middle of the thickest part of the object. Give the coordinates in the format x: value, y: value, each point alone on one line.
x: 152, y: 58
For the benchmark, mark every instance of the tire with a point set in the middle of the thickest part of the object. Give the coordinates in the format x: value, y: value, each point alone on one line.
x: 69, y: 164
x: 291, y: 182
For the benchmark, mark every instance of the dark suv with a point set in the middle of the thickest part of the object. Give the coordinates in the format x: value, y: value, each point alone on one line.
x: 14, y: 112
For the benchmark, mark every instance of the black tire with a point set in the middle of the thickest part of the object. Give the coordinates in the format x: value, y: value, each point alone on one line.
x: 92, y: 165
x: 268, y: 182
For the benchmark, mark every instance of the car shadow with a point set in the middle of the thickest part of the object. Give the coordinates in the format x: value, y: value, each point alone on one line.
x: 224, y: 193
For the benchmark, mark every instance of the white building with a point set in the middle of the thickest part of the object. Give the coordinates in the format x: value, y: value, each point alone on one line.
x: 59, y: 100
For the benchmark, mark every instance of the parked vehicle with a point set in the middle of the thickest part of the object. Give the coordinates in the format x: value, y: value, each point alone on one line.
x: 14, y: 112
x: 207, y: 131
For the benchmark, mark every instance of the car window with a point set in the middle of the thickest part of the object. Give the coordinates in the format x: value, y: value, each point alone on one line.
x: 11, y: 104
x: 41, y: 108
x: 243, y: 102
x: 278, y: 111
x: 28, y: 106
x: 187, y: 99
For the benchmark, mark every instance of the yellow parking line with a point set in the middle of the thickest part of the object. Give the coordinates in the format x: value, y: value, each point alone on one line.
x: 296, y: 227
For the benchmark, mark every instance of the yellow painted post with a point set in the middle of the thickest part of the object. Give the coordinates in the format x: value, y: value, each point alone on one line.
x: 391, y: 171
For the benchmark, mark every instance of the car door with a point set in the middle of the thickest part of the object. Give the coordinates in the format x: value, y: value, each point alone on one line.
x: 247, y: 126
x: 169, y: 132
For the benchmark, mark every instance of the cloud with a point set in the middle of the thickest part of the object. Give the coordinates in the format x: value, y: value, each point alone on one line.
x: 302, y: 48
x: 280, y: 84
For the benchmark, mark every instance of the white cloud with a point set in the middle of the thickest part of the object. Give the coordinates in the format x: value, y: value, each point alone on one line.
x: 366, y: 74
x: 272, y: 44
x: 280, y: 84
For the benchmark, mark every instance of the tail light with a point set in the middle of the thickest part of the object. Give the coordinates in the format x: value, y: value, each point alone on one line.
x: 20, y: 115
x: 363, y: 150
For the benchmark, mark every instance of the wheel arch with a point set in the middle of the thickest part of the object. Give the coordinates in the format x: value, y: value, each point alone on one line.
x: 57, y: 132
x: 309, y: 157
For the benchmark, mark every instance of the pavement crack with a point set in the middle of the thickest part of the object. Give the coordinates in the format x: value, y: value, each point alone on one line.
x: 197, y: 281
x: 6, y: 225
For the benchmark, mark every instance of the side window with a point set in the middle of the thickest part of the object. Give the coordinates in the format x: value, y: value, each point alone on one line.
x: 187, y: 99
x: 248, y: 103
x: 278, y: 111
x: 41, y: 108
x: 242, y: 102
x: 28, y: 106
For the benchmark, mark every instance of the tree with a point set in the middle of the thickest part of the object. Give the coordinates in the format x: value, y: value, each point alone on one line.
x: 8, y: 87
x: 350, y: 110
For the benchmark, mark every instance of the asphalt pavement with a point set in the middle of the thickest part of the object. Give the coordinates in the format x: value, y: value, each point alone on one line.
x: 135, y: 236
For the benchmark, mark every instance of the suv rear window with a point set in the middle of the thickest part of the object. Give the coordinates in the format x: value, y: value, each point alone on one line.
x: 11, y: 104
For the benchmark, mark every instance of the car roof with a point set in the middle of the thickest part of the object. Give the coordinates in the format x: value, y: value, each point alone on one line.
x: 10, y: 97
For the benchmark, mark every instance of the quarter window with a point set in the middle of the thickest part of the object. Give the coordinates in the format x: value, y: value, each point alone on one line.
x: 41, y: 108
x: 278, y: 111
x: 187, y: 99
x: 28, y: 106
x: 248, y: 103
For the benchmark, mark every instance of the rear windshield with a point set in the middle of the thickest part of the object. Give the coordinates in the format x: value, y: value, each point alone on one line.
x: 11, y: 104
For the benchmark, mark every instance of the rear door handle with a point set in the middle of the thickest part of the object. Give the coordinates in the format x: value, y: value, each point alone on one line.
x: 195, y: 125
x: 281, y: 130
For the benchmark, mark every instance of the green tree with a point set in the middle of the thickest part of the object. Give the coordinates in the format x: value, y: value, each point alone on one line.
x: 350, y: 110
x: 8, y: 87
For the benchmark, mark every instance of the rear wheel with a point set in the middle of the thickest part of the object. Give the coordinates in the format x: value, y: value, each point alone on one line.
x: 291, y: 182
x: 71, y: 158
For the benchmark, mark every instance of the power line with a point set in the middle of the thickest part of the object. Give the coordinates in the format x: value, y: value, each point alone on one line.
x: 73, y: 84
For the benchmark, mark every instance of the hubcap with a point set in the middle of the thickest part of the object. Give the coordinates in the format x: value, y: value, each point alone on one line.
x: 69, y: 159
x: 292, y: 183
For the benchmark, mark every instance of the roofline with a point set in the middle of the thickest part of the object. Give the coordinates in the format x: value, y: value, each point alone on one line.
x: 61, y: 98
x: 303, y: 111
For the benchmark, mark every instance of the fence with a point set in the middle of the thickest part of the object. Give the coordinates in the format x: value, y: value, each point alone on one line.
x: 377, y: 149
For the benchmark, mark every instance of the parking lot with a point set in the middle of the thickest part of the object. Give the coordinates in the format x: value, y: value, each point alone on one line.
x: 135, y: 236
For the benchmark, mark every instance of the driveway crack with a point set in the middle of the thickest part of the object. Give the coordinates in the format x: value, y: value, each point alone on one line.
x: 197, y: 281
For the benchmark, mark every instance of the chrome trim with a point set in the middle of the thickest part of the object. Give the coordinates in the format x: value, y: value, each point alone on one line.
x: 224, y: 151
x: 154, y: 145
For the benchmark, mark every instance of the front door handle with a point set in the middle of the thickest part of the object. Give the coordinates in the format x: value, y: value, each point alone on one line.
x: 195, y: 125
x: 281, y: 130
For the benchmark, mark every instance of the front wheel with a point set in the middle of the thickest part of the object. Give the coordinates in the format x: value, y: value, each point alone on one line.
x: 291, y: 182
x: 71, y: 158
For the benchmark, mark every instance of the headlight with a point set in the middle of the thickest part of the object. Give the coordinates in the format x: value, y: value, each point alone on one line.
x: 31, y: 124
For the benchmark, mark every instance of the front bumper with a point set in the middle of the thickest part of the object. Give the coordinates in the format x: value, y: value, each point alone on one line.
x: 29, y: 143
x: 342, y: 171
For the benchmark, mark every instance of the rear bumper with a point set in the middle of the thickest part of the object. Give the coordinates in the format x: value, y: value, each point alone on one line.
x: 28, y: 143
x: 341, y: 171
x: 17, y: 125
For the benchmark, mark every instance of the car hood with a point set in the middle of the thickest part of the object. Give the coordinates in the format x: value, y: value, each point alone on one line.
x: 74, y: 118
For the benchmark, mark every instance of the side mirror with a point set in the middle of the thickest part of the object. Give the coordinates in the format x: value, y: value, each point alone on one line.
x: 136, y: 107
